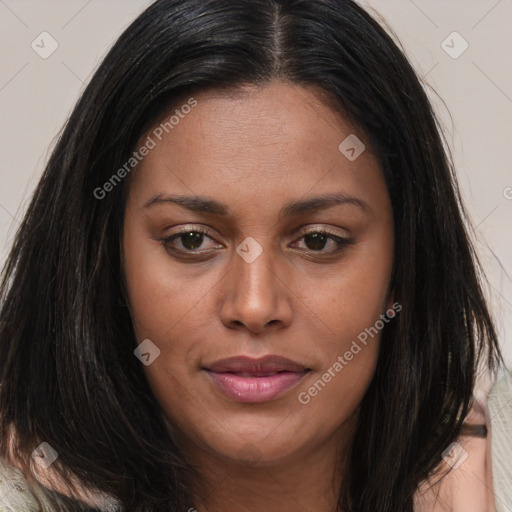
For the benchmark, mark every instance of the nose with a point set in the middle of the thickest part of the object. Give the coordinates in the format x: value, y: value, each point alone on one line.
x: 257, y: 295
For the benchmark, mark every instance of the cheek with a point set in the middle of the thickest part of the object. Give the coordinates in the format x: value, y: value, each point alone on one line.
x: 160, y: 295
x: 354, y: 315
x: 330, y: 400
x: 353, y: 307
x: 357, y: 292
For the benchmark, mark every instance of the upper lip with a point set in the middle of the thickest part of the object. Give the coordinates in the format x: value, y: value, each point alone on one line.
x: 270, y: 363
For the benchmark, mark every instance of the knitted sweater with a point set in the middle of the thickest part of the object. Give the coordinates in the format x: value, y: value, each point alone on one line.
x: 480, y: 484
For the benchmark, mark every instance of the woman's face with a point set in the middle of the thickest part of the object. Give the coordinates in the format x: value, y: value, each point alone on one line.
x: 250, y: 286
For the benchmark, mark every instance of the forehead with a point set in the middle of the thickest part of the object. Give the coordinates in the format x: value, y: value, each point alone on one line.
x: 257, y: 141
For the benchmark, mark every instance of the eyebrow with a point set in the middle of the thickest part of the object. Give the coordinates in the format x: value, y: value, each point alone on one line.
x: 294, y: 208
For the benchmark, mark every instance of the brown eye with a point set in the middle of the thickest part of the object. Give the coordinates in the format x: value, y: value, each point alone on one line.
x: 191, y: 241
x: 317, y: 242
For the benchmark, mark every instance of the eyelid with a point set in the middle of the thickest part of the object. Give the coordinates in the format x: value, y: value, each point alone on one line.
x: 201, y: 228
x: 342, y: 241
x: 167, y: 240
x: 314, y: 228
x: 303, y: 230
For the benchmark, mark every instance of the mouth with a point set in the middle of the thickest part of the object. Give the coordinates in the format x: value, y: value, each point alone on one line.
x: 248, y: 380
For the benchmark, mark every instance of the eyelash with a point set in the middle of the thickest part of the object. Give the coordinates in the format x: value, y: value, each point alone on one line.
x: 341, y: 242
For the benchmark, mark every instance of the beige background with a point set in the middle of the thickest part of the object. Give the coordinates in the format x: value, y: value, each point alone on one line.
x: 37, y: 95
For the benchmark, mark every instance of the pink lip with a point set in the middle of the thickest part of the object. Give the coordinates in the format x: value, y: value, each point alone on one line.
x: 244, y: 379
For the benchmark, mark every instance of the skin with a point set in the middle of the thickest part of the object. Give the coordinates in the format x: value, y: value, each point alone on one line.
x: 255, y: 150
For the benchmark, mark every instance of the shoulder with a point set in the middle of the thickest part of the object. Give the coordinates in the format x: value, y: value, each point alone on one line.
x: 499, y: 402
x: 470, y: 485
x: 467, y: 487
x: 16, y: 494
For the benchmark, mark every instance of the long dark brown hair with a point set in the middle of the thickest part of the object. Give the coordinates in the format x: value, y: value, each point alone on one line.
x: 68, y: 373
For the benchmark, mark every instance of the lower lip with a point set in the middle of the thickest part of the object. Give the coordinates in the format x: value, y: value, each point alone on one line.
x: 255, y: 389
